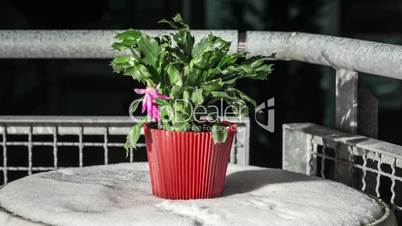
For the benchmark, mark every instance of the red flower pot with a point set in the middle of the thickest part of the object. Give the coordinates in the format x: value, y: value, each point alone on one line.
x: 187, y: 165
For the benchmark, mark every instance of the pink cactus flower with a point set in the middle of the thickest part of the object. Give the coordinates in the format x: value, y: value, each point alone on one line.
x: 149, y: 103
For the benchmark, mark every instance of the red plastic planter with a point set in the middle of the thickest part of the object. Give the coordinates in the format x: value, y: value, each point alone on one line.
x: 187, y: 165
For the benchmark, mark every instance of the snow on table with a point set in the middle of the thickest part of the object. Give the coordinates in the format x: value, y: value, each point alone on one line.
x: 120, y: 194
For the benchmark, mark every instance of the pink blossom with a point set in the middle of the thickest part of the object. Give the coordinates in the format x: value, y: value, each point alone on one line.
x: 149, y: 103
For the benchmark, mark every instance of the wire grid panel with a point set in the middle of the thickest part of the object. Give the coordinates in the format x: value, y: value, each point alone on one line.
x: 37, y: 144
x: 370, y: 165
x: 369, y: 170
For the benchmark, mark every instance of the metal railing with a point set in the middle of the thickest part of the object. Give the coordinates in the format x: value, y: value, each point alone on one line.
x: 346, y: 56
x: 30, y: 136
x: 372, y: 166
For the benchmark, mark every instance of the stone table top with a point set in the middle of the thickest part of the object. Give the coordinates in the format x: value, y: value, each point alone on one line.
x: 120, y: 194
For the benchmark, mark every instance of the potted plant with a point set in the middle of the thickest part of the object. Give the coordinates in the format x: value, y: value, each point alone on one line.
x: 187, y: 156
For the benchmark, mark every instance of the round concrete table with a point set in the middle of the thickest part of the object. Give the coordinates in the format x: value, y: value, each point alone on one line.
x: 121, y: 195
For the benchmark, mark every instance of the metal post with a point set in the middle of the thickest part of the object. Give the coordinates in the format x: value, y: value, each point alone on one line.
x: 105, y: 147
x: 4, y: 144
x: 81, y: 146
x: 297, y: 150
x: 30, y: 150
x: 55, y: 151
x: 356, y: 112
x: 346, y: 100
x: 346, y: 92
x: 241, y: 146
x: 367, y: 117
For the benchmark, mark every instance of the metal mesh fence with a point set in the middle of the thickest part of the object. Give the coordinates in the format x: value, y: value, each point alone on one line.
x: 369, y: 165
x: 374, y: 172
x: 36, y: 144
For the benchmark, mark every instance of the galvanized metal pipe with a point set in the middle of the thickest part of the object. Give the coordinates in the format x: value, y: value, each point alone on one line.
x: 350, y: 54
x: 77, y: 43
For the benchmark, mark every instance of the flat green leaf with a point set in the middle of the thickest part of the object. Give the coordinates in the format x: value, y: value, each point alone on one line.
x: 219, y: 134
x: 197, y: 98
x: 178, y: 55
x: 212, y: 73
x: 213, y: 85
x: 185, y: 41
x: 134, y: 105
x: 223, y: 95
x: 174, y: 75
x: 121, y: 63
x: 186, y: 96
x: 162, y: 64
x: 210, y: 43
x: 177, y: 22
x: 149, y: 50
x: 231, y: 59
x: 166, y: 114
x: 200, y: 67
x: 126, y: 39
x: 171, y: 23
x: 161, y: 102
x: 257, y: 63
x: 175, y: 91
x: 132, y: 137
x: 120, y: 46
x: 179, y: 106
x: 130, y: 34
x: 243, y: 96
x: 138, y: 71
x: 122, y: 59
x: 230, y: 82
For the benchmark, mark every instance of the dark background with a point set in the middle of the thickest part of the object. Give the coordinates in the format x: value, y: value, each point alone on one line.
x: 303, y: 92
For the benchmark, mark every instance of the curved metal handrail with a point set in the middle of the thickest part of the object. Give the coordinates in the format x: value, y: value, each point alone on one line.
x: 351, y: 54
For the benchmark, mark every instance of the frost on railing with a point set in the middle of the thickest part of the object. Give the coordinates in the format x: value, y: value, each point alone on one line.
x: 370, y: 165
x: 36, y: 144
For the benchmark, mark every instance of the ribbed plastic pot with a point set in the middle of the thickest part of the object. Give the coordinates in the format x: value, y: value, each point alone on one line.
x: 187, y: 165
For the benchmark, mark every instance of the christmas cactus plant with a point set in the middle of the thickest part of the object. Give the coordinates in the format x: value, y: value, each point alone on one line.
x: 188, y: 143
x: 180, y: 76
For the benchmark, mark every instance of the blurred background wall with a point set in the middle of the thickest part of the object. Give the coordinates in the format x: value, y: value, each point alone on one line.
x: 303, y: 93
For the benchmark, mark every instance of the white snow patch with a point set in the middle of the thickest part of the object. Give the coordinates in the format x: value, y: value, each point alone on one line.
x: 121, y: 195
